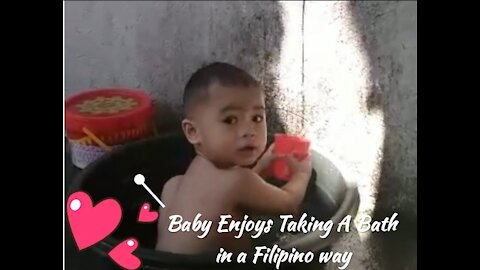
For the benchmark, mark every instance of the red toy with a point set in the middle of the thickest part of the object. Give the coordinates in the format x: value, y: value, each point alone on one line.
x: 287, y: 144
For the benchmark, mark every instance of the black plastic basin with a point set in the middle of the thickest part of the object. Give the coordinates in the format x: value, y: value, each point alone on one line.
x: 160, y: 158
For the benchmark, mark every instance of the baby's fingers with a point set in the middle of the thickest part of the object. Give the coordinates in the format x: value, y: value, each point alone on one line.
x: 271, y: 155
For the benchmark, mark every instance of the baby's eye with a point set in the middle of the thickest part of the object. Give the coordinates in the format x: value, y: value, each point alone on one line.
x: 258, y: 118
x: 231, y: 120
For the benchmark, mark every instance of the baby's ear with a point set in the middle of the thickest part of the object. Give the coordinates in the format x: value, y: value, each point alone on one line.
x: 191, y: 131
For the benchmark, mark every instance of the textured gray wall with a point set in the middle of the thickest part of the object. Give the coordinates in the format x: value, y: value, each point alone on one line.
x: 156, y: 46
x: 344, y: 73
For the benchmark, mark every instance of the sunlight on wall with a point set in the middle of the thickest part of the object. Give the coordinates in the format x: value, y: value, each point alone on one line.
x: 289, y: 100
x: 336, y: 86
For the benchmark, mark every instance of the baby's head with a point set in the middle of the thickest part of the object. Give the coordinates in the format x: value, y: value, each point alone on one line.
x: 224, y: 109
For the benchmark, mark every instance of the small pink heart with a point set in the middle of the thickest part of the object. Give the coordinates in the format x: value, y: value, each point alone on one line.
x: 90, y: 224
x: 145, y: 215
x: 122, y: 254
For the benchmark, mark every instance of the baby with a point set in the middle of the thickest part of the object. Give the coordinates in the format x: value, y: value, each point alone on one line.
x: 225, y: 122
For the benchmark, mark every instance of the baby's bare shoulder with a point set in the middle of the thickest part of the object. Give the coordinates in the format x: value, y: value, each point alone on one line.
x: 171, y: 185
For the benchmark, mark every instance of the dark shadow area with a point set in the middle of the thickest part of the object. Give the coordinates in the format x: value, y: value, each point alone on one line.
x: 388, y: 32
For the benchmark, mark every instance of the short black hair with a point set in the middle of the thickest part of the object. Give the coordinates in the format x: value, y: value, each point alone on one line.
x: 218, y: 72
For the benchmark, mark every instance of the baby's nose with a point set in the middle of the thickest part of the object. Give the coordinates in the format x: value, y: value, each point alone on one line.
x: 248, y: 131
x: 249, y: 134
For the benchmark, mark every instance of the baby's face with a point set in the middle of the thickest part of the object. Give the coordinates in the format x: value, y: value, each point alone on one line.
x: 232, y: 125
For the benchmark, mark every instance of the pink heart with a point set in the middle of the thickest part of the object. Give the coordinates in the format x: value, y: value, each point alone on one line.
x: 145, y: 215
x: 122, y: 254
x: 90, y: 224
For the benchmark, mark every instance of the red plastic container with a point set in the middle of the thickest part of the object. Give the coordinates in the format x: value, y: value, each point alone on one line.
x: 114, y: 115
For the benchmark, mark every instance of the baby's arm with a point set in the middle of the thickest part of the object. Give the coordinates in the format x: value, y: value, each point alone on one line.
x: 262, y: 167
x: 259, y: 196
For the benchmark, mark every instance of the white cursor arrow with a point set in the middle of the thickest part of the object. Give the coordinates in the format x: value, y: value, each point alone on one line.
x: 139, y: 179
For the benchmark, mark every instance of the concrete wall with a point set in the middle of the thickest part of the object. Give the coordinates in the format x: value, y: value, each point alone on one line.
x: 156, y: 46
x: 344, y: 73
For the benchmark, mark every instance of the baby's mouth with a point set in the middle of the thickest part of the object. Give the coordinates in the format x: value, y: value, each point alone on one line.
x: 248, y: 148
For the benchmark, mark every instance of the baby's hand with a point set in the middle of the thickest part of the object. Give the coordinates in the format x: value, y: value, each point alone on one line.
x: 300, y: 167
x: 263, y: 164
